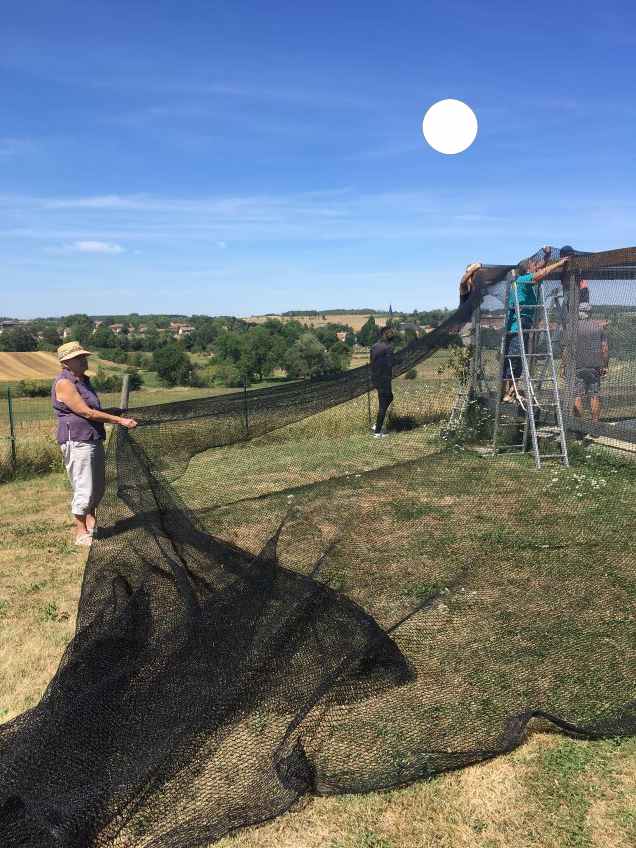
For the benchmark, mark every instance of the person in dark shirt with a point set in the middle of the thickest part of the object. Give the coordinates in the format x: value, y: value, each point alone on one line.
x: 382, y: 374
x: 563, y: 308
x: 591, y: 352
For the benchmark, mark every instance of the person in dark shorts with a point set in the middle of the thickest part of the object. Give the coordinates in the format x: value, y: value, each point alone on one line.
x: 382, y: 374
x: 592, y: 360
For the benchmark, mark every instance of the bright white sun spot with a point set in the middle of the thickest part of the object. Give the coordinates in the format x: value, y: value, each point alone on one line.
x: 450, y: 126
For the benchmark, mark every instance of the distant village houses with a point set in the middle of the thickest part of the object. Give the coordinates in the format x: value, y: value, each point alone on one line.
x: 179, y: 329
x: 10, y: 324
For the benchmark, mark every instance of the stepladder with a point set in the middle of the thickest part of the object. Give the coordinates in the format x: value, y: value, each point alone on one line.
x: 528, y: 411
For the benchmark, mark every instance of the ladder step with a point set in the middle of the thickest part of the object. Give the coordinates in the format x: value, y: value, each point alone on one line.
x: 551, y: 455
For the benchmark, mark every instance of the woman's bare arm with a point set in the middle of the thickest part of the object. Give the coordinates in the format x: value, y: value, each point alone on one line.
x: 542, y: 273
x: 66, y: 393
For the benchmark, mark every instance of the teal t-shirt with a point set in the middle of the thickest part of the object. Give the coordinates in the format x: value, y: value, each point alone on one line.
x: 527, y: 298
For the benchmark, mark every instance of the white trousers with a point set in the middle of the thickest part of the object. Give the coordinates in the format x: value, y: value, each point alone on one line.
x: 85, y: 465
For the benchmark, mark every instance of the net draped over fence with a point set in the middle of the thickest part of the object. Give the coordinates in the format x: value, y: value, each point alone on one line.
x: 279, y: 604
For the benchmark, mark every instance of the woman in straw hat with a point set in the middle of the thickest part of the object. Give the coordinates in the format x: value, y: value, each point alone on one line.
x: 81, y: 434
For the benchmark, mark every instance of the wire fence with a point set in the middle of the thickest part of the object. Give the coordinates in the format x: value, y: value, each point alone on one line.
x: 27, y: 432
x: 27, y: 424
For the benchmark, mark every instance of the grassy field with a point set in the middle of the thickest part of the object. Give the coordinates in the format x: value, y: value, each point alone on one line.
x: 406, y: 518
x: 551, y: 793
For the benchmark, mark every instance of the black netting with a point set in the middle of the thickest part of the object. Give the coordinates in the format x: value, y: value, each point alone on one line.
x: 279, y: 603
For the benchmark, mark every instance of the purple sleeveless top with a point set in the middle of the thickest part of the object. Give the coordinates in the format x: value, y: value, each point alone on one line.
x: 72, y: 427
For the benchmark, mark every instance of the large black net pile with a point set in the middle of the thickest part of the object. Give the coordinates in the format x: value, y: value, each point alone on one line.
x: 279, y: 604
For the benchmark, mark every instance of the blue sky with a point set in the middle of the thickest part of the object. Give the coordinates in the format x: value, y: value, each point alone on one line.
x: 242, y: 157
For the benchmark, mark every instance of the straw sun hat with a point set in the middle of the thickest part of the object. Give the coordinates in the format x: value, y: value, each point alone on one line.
x: 70, y: 350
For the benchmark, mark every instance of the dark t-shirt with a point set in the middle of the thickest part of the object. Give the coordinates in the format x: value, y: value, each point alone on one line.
x: 381, y: 363
x: 590, y: 340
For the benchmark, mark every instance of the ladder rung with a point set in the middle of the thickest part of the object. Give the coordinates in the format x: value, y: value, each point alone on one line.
x: 551, y: 456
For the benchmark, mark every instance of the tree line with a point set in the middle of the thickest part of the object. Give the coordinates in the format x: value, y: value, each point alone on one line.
x: 239, y: 352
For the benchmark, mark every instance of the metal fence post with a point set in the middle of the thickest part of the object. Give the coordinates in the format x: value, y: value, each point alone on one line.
x: 14, y: 459
x: 369, y: 391
x: 245, y: 412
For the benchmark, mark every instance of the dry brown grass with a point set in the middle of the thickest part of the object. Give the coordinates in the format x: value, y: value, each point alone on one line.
x: 40, y: 576
x: 35, y: 365
x: 551, y: 793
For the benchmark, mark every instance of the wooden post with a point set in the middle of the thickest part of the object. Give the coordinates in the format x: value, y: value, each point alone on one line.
x: 125, y: 392
x: 14, y: 459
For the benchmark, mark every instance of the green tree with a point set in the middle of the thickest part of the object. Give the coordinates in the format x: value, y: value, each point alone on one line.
x: 205, y: 332
x: 19, y: 339
x: 152, y: 340
x: 103, y: 337
x: 257, y: 353
x: 51, y: 335
x: 307, y: 359
x: 229, y: 375
x: 340, y: 356
x: 229, y: 347
x: 82, y: 330
x: 328, y: 334
x: 369, y: 332
x: 172, y: 365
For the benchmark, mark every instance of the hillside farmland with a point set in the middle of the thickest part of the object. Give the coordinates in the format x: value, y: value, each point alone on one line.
x: 35, y: 365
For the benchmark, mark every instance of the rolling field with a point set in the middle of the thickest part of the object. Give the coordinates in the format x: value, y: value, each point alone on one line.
x: 42, y: 366
x: 36, y: 365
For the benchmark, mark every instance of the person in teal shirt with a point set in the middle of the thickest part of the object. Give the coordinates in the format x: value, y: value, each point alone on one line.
x: 533, y: 273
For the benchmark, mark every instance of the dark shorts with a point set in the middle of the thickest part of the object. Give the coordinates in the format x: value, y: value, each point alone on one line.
x: 513, y: 365
x: 587, y: 382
